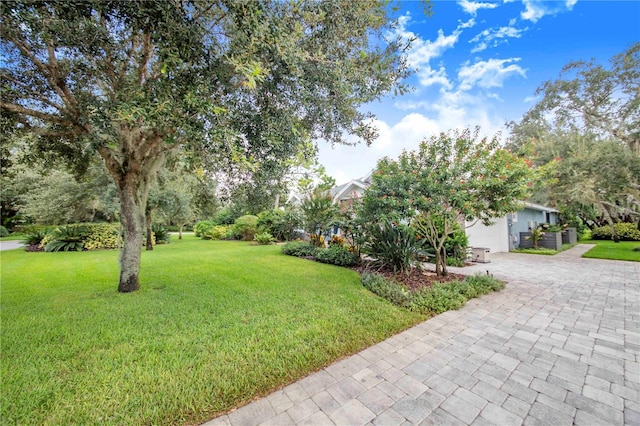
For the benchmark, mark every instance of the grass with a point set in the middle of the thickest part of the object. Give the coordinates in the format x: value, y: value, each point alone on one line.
x: 543, y: 250
x: 215, y: 324
x: 12, y: 237
x: 616, y: 251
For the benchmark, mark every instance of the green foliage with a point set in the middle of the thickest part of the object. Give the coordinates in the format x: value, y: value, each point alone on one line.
x: 389, y: 290
x: 440, y: 297
x: 264, y: 238
x: 280, y: 223
x: 245, y: 227
x: 66, y: 238
x: 202, y: 227
x: 102, y: 236
x: 299, y: 249
x: 451, y: 175
x: 393, y: 246
x: 336, y: 255
x: 625, y: 232
x: 225, y: 216
x: 83, y: 236
x: 161, y: 234
x: 3, y: 231
x: 318, y: 211
x: 34, y: 238
x: 218, y: 232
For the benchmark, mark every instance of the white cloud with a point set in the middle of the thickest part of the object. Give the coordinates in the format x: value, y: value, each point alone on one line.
x: 536, y: 9
x: 422, y: 51
x: 529, y: 99
x: 472, y: 8
x: 495, y: 36
x: 488, y: 74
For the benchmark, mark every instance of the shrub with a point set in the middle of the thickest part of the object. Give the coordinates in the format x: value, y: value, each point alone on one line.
x: 625, y: 231
x: 336, y: 255
x: 390, y: 290
x: 394, y: 247
x: 224, y: 216
x: 337, y: 240
x: 217, y: 232
x: 442, y: 297
x: 34, y: 238
x: 316, y: 240
x: 161, y: 234
x: 299, y: 249
x: 201, y: 227
x: 264, y: 238
x: 102, y: 236
x: 3, y: 231
x: 245, y: 227
x: 66, y: 238
x: 279, y: 223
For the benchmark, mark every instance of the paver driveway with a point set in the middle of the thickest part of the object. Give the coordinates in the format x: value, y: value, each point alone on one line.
x: 559, y: 346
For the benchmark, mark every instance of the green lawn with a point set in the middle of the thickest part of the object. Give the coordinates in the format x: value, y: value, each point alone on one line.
x: 214, y: 325
x: 610, y: 250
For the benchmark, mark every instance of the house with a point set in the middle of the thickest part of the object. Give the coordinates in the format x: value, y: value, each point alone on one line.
x: 343, y: 194
x: 503, y: 235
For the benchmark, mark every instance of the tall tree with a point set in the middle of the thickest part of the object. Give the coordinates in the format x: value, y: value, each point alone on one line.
x: 593, y: 98
x: 450, y: 177
x: 133, y: 80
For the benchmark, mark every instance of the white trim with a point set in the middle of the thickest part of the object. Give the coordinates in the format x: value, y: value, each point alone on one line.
x: 337, y: 197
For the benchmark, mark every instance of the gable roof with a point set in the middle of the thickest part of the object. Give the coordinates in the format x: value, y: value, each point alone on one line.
x: 539, y: 207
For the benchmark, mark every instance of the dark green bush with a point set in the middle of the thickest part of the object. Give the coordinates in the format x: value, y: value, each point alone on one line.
x: 279, y: 223
x: 245, y: 227
x: 66, y: 238
x: 161, y: 234
x: 264, y: 238
x: 394, y: 246
x: 436, y: 299
x: 4, y: 232
x: 225, y: 216
x: 202, y: 227
x: 34, y: 238
x: 625, y: 231
x: 336, y: 255
x: 387, y: 289
x: 299, y: 249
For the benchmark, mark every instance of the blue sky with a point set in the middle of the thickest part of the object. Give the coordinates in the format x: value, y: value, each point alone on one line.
x: 479, y: 63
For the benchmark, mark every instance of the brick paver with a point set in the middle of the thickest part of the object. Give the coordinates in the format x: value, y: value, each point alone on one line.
x: 560, y: 345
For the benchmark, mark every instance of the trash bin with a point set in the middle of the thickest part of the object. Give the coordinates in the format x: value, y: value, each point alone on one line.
x: 481, y: 255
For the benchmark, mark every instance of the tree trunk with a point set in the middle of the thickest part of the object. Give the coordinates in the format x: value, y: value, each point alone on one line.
x: 180, y: 232
x: 149, y: 231
x: 132, y: 218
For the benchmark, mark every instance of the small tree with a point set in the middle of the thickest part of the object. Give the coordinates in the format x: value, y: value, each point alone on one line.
x: 452, y: 177
x: 318, y: 212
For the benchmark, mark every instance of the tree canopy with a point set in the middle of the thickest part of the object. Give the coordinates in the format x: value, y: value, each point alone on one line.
x: 228, y: 81
x: 450, y: 177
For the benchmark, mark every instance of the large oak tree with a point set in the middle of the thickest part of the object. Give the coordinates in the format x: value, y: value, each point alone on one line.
x: 225, y: 80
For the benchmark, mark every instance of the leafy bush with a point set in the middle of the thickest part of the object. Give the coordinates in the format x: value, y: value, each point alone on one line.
x: 102, y: 236
x: 390, y: 290
x: 264, y: 238
x: 161, y: 234
x: 34, y: 238
x: 394, y: 247
x: 298, y: 249
x: 218, y: 232
x: 66, y: 238
x: 202, y: 227
x: 245, y: 227
x: 279, y: 223
x: 442, y: 297
x: 625, y: 231
x: 436, y: 299
x: 3, y: 231
x: 337, y: 240
x: 317, y: 240
x: 224, y: 216
x: 336, y: 255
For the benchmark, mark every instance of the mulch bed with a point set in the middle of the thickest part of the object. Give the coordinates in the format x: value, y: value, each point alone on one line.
x: 415, y: 279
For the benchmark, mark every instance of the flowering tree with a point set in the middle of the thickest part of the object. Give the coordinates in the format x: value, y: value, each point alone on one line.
x: 451, y: 177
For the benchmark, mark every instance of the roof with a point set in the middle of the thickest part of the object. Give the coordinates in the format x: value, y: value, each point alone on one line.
x: 539, y: 207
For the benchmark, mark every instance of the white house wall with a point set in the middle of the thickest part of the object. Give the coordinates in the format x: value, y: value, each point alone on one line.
x: 494, y: 237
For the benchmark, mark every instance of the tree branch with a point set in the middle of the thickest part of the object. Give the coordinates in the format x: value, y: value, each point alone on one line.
x: 34, y: 113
